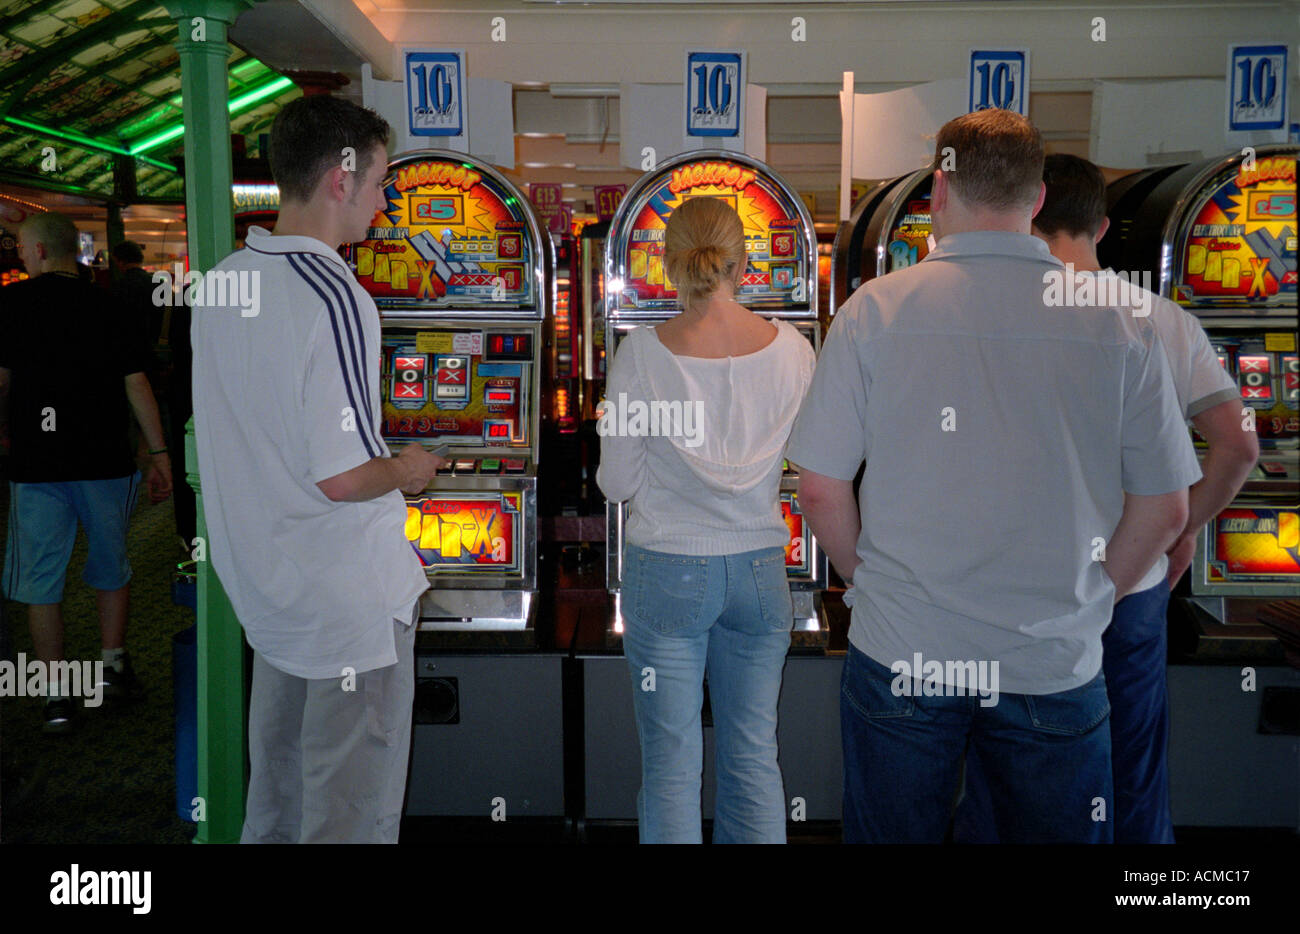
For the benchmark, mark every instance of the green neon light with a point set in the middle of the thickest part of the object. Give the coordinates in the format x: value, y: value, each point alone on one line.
x: 84, y: 141
x: 237, y: 104
x: 157, y: 113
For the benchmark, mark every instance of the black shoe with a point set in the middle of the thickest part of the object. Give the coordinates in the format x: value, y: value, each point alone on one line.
x: 58, y: 715
x: 121, y: 685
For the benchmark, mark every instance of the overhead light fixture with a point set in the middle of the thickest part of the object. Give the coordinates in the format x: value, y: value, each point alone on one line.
x: 237, y: 104
x: 584, y: 90
x: 86, y: 142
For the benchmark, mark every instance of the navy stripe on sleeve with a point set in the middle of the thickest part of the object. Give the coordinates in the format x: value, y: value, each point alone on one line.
x: 328, y: 272
x: 348, y: 375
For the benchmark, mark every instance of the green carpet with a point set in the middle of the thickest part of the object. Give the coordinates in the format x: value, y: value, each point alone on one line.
x: 112, y: 780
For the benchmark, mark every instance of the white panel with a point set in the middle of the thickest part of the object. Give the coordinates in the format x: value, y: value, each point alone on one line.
x: 756, y: 121
x: 491, y: 121
x: 893, y: 132
x: 1138, y: 124
x: 650, y: 115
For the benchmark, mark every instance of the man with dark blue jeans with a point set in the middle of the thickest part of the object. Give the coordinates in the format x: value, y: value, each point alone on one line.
x: 1071, y: 222
x: 998, y: 519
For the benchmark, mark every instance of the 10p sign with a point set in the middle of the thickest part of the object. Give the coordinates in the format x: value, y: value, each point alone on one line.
x: 715, y: 91
x: 999, y: 78
x: 435, y: 87
x: 1256, y: 87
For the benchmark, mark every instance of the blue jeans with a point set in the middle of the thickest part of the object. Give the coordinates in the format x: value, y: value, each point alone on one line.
x: 1047, y: 758
x: 728, y: 617
x: 1134, y: 662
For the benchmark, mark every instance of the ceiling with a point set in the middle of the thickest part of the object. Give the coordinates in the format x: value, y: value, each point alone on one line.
x: 83, y: 82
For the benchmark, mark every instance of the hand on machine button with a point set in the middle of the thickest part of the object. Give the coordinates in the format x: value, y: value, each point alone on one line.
x: 417, y: 467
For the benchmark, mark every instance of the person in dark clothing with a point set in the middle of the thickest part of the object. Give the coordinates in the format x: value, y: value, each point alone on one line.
x: 134, y: 289
x: 71, y: 373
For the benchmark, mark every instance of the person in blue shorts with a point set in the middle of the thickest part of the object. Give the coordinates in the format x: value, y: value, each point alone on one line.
x: 71, y: 369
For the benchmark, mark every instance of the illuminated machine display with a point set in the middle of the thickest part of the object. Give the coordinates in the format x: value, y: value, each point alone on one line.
x: 1220, y: 237
x: 780, y: 281
x: 460, y: 272
x: 888, y: 229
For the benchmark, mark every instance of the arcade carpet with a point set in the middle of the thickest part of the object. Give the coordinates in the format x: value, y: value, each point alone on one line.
x: 112, y: 779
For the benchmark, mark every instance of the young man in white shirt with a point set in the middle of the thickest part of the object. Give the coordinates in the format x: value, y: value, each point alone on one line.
x: 980, y: 584
x: 1072, y: 222
x: 304, y: 514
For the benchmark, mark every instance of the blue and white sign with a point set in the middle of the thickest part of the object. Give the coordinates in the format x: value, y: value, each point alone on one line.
x: 999, y: 78
x: 715, y: 93
x: 1256, y: 87
x: 435, y: 92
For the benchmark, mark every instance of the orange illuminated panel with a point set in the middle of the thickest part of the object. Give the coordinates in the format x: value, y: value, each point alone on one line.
x: 1248, y: 546
x: 798, y: 552
x: 467, y: 532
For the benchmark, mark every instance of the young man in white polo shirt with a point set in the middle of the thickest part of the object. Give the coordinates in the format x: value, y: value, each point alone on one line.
x: 1072, y: 222
x: 1024, y: 465
x: 304, y: 514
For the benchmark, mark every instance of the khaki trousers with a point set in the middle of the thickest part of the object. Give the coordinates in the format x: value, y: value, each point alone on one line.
x: 329, y: 765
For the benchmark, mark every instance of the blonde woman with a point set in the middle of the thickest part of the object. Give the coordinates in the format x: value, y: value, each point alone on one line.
x: 704, y: 584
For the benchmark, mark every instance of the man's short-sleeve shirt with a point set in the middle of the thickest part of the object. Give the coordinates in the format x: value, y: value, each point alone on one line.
x: 286, y: 394
x: 999, y: 435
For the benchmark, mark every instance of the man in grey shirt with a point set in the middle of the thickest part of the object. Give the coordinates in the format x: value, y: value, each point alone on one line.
x: 1025, y: 466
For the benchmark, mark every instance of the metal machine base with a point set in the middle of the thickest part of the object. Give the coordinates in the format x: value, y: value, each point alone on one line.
x: 488, y: 736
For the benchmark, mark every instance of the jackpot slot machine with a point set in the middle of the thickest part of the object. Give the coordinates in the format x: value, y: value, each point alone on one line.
x: 780, y: 281
x: 460, y: 273
x: 1220, y: 238
x: 888, y: 229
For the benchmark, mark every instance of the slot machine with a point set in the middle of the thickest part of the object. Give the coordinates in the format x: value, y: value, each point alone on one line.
x: 888, y: 229
x: 780, y: 281
x: 461, y: 274
x: 1219, y: 237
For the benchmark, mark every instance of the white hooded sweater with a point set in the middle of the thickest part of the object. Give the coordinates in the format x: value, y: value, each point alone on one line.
x: 695, y: 444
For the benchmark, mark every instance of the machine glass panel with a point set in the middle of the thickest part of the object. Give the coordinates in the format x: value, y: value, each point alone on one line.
x: 462, y: 386
x: 454, y: 235
x: 779, y: 236
x: 1237, y: 243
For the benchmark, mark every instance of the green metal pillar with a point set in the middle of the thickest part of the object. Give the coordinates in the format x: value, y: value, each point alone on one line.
x: 210, y: 232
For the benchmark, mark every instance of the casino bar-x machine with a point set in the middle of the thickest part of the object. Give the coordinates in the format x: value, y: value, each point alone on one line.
x: 462, y: 275
x: 888, y: 229
x: 1219, y: 237
x: 779, y: 281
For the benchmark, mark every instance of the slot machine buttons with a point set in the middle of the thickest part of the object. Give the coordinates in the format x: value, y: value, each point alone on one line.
x: 513, y: 465
x: 1273, y: 470
x: 489, y: 465
x: 446, y: 471
x: 465, y: 466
